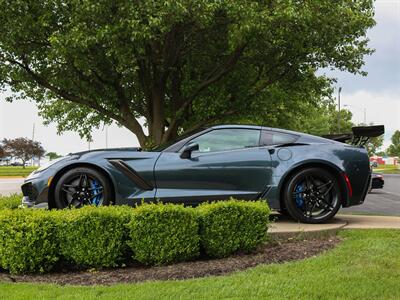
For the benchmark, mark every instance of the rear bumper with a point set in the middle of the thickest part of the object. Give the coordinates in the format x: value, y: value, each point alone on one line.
x: 360, y: 192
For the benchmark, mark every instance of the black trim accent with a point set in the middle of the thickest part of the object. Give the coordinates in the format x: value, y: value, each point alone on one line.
x: 132, y: 174
x: 339, y: 137
x: 28, y: 190
x: 291, y: 145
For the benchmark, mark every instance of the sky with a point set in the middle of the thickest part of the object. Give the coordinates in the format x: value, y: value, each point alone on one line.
x: 378, y: 94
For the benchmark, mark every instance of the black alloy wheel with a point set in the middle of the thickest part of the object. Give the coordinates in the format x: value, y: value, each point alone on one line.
x: 82, y: 186
x: 312, y: 195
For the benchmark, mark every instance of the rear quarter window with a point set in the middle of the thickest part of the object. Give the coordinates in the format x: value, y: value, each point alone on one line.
x: 269, y: 138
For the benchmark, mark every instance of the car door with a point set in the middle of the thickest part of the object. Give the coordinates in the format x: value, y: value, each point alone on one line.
x: 228, y: 163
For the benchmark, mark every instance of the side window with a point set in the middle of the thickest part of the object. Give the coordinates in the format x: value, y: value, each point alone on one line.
x: 227, y: 139
x: 276, y: 138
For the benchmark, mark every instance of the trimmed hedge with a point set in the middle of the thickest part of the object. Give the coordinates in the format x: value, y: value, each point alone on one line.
x: 93, y: 236
x: 163, y: 233
x: 34, y: 240
x: 230, y: 226
x: 28, y: 241
x: 12, y: 201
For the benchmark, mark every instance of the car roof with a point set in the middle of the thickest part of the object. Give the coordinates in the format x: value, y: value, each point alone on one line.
x: 236, y: 126
x: 305, y: 137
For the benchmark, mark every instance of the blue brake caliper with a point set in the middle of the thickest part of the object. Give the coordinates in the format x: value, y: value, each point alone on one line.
x: 96, y: 191
x: 299, y: 197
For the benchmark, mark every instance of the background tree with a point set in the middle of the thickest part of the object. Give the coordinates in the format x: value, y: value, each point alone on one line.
x: 374, y: 144
x: 380, y: 153
x: 52, y: 155
x: 4, y: 155
x: 394, y: 148
x: 176, y: 65
x: 23, y: 149
x: 2, y: 152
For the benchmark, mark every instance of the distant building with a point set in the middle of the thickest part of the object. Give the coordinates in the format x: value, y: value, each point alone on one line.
x: 384, y: 160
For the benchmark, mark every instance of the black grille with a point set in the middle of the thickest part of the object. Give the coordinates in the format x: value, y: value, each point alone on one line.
x: 29, y: 190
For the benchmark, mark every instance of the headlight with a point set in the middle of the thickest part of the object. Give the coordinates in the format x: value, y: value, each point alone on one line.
x: 50, y: 163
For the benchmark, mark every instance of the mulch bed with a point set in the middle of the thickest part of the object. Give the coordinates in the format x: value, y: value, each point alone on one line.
x: 277, y: 252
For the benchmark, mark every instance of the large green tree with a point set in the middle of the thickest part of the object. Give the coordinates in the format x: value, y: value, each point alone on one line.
x: 394, y: 148
x: 176, y: 64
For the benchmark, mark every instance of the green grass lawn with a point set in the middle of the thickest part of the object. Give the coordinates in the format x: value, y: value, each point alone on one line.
x: 387, y: 169
x: 365, y: 266
x: 16, y: 171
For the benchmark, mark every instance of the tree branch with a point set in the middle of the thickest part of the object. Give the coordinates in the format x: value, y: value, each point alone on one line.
x: 210, y: 120
x: 131, y: 123
x: 215, y: 75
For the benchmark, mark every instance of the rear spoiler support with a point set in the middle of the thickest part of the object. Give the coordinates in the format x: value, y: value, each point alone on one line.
x: 360, y: 135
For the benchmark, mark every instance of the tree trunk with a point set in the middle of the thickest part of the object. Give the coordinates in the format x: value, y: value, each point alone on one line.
x: 157, y: 125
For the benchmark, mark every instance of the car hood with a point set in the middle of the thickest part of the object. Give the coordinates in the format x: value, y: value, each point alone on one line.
x: 107, y: 150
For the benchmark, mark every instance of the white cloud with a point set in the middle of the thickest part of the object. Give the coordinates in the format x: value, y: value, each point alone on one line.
x: 381, y: 108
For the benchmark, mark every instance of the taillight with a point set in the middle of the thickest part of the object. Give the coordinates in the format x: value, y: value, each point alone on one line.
x: 347, y: 180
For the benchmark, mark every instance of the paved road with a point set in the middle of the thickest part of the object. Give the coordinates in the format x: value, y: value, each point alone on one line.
x: 384, y: 201
x: 10, y: 186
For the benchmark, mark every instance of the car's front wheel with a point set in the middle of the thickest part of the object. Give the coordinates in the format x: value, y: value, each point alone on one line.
x: 82, y: 186
x: 312, y: 195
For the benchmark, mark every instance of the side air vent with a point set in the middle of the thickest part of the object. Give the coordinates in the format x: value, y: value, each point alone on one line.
x: 132, y: 174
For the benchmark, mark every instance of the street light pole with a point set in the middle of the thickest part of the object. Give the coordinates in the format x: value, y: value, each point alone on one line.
x: 338, y: 119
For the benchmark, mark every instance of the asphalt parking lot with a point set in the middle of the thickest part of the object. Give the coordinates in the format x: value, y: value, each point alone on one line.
x: 384, y: 201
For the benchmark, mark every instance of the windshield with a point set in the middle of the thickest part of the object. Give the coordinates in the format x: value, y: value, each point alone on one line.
x: 164, y: 146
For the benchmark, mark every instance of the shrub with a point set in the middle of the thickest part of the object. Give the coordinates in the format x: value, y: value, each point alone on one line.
x: 34, y: 240
x: 12, y: 201
x: 27, y: 240
x: 163, y: 233
x: 230, y: 226
x: 93, y: 236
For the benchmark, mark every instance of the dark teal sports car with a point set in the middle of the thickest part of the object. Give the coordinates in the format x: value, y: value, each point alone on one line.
x: 305, y: 176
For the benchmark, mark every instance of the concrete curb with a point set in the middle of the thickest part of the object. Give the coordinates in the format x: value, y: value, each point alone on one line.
x: 370, y: 222
x: 284, y: 228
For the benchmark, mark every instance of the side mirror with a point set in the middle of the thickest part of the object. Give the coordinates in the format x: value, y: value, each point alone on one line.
x: 188, y: 149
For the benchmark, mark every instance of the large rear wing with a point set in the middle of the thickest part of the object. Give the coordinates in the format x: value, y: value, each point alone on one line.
x: 360, y: 135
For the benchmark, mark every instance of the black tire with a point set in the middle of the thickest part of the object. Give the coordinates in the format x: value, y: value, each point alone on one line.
x: 283, y: 211
x: 82, y: 186
x: 312, y: 195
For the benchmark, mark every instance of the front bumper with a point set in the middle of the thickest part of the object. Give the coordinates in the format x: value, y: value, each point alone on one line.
x: 35, y: 194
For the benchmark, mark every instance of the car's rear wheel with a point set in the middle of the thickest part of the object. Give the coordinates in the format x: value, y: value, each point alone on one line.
x: 82, y: 186
x: 312, y: 195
